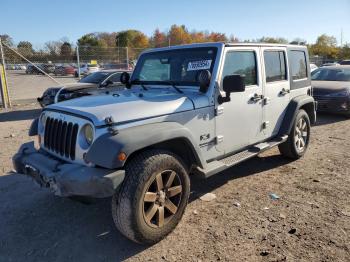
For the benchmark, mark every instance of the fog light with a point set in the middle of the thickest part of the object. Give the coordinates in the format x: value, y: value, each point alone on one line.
x: 344, y: 106
x: 122, y: 156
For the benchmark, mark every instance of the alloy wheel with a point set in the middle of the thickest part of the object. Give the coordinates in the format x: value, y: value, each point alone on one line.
x: 162, y: 199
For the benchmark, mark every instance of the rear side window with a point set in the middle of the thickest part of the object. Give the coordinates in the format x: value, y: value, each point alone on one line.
x: 298, y: 65
x: 241, y: 63
x: 275, y: 66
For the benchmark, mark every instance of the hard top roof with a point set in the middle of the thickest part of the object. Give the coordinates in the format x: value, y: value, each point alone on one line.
x: 222, y: 44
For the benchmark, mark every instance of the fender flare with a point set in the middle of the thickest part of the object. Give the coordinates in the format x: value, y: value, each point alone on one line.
x: 104, y: 151
x: 292, y: 110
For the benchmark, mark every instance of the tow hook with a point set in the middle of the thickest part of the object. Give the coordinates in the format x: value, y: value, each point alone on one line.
x: 109, y: 122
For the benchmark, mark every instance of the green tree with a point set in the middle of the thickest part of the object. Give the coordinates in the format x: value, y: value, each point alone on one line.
x: 345, y: 52
x: 25, y: 48
x: 131, y: 38
x: 325, y: 46
x: 273, y: 40
x: 66, y: 50
x: 88, y: 40
x: 6, y: 39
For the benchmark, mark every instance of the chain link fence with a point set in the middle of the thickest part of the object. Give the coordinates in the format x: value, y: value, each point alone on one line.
x: 31, y: 71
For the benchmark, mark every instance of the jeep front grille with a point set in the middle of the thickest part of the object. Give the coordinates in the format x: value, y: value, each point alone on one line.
x: 60, y: 137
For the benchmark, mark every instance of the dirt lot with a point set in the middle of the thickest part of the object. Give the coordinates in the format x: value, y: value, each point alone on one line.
x: 310, y: 221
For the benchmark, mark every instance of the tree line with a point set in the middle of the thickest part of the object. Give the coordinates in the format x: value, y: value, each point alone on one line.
x: 102, y: 45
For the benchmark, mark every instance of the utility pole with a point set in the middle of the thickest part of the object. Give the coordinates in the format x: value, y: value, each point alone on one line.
x: 127, y: 58
x: 6, y: 102
x: 341, y: 37
x: 78, y: 60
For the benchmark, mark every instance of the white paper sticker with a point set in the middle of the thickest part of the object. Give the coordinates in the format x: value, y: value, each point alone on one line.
x: 199, y: 65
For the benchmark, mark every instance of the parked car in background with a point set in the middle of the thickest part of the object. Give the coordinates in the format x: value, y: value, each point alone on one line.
x: 64, y: 70
x: 330, y: 64
x: 31, y: 69
x: 331, y: 89
x: 48, y: 68
x: 86, y: 69
x: 313, y: 67
x: 91, y: 84
x: 345, y: 62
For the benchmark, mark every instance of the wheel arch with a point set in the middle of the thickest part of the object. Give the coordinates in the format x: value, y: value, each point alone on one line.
x: 169, y: 136
x: 304, y: 102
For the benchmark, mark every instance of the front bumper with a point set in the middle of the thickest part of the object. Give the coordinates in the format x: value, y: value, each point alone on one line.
x: 333, y: 104
x: 66, y: 179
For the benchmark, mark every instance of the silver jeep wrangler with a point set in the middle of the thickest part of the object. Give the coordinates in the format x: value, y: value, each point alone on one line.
x: 198, y: 108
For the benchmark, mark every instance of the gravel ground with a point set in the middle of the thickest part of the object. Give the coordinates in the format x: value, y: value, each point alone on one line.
x: 310, y: 221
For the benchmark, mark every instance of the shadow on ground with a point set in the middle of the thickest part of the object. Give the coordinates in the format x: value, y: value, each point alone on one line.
x: 19, y: 115
x: 37, y: 226
x: 59, y: 229
x: 253, y: 166
x: 327, y: 118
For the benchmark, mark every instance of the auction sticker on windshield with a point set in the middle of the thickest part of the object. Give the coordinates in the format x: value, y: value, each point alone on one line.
x: 199, y: 65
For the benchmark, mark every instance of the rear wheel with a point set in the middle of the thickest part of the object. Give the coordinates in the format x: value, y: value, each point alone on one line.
x: 299, y: 137
x: 152, y: 198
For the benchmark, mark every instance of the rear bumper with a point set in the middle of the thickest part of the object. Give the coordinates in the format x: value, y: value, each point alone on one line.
x: 66, y: 179
x: 333, y: 105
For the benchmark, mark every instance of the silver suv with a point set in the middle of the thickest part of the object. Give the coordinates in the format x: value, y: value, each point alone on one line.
x: 192, y: 109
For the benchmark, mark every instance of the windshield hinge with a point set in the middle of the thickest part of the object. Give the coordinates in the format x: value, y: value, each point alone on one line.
x: 111, y: 129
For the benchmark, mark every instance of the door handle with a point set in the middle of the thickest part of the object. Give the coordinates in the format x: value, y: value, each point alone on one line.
x: 256, y: 98
x: 284, y: 91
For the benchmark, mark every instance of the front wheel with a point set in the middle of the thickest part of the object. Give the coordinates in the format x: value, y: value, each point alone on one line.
x: 152, y: 198
x: 299, y: 137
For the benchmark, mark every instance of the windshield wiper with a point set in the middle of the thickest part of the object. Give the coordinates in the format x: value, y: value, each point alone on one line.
x: 173, y: 84
x: 137, y: 81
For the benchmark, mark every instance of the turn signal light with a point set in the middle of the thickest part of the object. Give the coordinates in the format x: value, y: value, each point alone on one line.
x: 122, y: 156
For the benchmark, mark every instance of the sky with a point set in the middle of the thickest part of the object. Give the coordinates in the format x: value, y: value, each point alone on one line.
x: 39, y: 21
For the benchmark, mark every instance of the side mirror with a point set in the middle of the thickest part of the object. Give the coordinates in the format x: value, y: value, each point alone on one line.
x: 106, y: 83
x: 125, y: 79
x: 232, y: 84
x: 204, y: 78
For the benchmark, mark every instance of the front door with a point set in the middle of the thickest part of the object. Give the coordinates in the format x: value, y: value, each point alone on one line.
x: 276, y: 86
x: 239, y: 121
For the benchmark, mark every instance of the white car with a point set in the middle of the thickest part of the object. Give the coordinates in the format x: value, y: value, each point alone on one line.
x: 86, y: 69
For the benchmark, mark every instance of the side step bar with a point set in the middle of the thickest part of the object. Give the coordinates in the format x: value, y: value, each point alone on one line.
x: 217, y: 166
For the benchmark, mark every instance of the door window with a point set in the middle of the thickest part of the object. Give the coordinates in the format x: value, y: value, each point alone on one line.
x: 275, y: 66
x: 241, y: 63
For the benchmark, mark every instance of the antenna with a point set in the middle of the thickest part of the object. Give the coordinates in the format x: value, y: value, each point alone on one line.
x: 341, y: 37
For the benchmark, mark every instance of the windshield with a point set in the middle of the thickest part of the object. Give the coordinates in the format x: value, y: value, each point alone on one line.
x: 179, y: 66
x: 95, y: 78
x: 331, y: 74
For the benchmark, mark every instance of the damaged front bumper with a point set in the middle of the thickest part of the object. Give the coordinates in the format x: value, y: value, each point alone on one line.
x: 66, y: 179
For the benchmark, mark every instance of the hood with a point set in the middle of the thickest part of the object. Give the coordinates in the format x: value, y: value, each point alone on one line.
x: 131, y: 105
x: 328, y: 87
x: 75, y: 86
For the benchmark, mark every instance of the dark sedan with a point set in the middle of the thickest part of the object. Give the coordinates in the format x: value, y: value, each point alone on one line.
x: 331, y: 89
x: 91, y: 84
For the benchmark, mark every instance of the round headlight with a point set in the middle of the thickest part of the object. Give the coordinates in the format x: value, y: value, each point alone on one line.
x: 88, y: 134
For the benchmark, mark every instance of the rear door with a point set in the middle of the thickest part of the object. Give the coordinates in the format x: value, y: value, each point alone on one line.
x: 276, y: 88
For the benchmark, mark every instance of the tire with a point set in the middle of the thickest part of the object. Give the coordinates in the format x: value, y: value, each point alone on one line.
x: 298, y: 140
x: 133, y: 203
